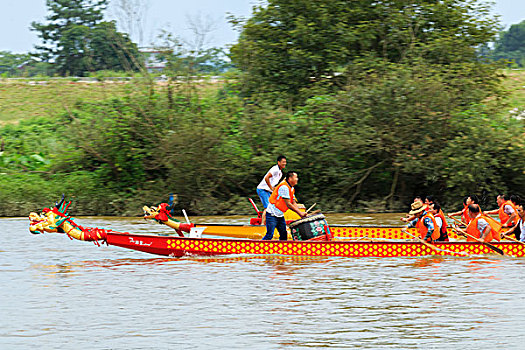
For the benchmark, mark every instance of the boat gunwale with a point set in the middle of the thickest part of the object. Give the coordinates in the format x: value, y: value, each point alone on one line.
x: 122, y: 234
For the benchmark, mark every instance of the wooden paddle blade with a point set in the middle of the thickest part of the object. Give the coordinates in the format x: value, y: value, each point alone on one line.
x: 494, y: 248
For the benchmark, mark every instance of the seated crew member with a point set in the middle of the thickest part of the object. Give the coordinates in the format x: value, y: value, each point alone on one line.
x: 268, y: 183
x: 480, y: 227
x: 519, y: 229
x: 507, y: 211
x: 424, y: 222
x: 468, y: 200
x: 435, y: 209
x: 281, y: 200
x: 516, y: 200
x: 409, y: 217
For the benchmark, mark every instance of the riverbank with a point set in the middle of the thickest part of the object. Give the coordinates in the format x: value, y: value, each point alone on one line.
x: 114, y: 147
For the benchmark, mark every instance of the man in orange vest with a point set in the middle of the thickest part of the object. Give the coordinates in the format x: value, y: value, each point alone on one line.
x: 281, y: 200
x: 507, y: 211
x: 435, y: 209
x: 409, y: 217
x: 424, y: 222
x: 519, y: 229
x: 472, y: 199
x: 480, y: 227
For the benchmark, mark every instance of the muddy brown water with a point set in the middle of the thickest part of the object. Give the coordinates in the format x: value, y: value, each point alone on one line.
x: 61, y: 294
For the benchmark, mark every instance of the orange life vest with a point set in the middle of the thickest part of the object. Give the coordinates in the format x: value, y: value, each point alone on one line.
x: 422, y: 229
x: 444, y: 222
x: 464, y: 216
x: 472, y: 229
x: 503, y: 217
x: 277, y: 200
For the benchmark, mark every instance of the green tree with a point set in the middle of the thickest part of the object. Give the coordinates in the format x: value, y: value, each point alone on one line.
x: 77, y: 39
x: 511, y: 45
x: 289, y: 46
x: 9, y: 62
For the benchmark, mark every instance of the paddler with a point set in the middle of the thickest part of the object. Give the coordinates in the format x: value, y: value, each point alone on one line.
x: 268, y: 183
x: 507, y: 211
x: 519, y: 229
x: 409, y: 217
x: 480, y: 226
x: 468, y: 200
x: 424, y: 222
x: 281, y: 199
x: 435, y: 209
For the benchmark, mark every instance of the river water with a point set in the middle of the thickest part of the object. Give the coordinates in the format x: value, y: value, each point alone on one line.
x: 61, y: 294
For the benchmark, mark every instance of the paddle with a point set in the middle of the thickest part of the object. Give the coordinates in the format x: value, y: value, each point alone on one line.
x: 431, y: 245
x: 504, y: 235
x: 494, y: 248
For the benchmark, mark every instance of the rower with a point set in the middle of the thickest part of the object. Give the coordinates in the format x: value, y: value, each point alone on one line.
x: 435, y: 209
x: 424, y: 222
x: 480, y: 226
x: 409, y: 217
x: 468, y: 200
x: 507, y: 211
x: 519, y: 229
x: 281, y: 200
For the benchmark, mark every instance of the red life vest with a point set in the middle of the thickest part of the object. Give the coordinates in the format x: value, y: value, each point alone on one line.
x: 444, y: 226
x: 422, y: 229
x: 277, y: 200
x: 503, y: 217
x: 472, y: 229
x: 464, y: 215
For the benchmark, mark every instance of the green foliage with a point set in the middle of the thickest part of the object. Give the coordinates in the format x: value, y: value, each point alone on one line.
x: 286, y: 48
x: 10, y: 62
x: 388, y: 136
x: 510, y: 45
x: 78, y: 40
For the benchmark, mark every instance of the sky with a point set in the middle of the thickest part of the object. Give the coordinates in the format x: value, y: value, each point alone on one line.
x: 171, y: 15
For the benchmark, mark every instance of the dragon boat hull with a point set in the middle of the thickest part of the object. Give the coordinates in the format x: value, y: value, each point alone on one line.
x: 181, y: 246
x: 338, y: 231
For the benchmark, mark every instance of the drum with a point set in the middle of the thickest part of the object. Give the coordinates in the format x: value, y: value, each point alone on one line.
x: 309, y: 227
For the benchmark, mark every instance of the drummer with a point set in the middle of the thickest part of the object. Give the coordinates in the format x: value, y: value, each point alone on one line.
x: 281, y: 200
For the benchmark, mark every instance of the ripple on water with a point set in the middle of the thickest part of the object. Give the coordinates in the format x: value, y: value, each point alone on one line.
x: 58, y: 293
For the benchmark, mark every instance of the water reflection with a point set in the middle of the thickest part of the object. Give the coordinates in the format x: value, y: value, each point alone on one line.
x: 58, y: 293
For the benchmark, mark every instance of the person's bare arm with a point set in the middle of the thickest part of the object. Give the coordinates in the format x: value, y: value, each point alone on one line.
x: 485, y: 233
x: 511, y: 219
x: 267, y: 179
x: 495, y: 211
x: 458, y: 213
x: 292, y: 206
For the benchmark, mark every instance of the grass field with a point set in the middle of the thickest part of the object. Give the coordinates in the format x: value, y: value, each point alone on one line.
x: 515, y: 85
x: 25, y: 99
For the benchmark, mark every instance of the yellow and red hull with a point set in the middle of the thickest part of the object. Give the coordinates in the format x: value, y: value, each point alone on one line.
x: 341, y: 231
x: 182, y: 246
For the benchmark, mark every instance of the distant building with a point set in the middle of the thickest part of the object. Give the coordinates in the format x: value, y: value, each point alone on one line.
x: 155, y: 59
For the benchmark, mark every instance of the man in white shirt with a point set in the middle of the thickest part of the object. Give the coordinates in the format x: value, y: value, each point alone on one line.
x: 519, y: 229
x: 268, y: 183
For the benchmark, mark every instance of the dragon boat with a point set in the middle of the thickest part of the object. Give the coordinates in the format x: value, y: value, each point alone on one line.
x: 254, y: 229
x: 312, y: 237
